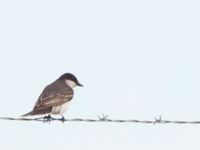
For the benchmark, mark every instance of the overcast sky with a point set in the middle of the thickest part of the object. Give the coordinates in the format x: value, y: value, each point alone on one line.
x: 136, y: 60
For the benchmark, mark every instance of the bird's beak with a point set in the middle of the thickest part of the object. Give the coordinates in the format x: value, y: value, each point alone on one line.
x: 78, y: 84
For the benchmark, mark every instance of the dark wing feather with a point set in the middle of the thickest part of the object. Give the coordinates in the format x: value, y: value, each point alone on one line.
x: 54, y: 100
x: 54, y: 94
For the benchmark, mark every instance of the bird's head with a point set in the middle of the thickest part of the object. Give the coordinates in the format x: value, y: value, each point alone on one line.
x: 70, y: 80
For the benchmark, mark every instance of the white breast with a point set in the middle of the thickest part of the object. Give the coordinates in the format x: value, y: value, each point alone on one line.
x: 60, y: 109
x: 70, y: 83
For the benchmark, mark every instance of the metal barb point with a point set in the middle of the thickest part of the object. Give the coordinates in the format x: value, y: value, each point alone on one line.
x: 157, y: 120
x: 103, y: 117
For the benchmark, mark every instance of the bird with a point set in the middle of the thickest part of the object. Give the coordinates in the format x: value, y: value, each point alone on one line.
x: 55, y: 97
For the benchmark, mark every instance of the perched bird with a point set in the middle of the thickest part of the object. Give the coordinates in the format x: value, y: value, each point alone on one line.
x: 56, y: 96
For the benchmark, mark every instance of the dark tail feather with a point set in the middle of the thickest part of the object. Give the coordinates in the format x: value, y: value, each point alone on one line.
x: 38, y: 112
x: 28, y: 114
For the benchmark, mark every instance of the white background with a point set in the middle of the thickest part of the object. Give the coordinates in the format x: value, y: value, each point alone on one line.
x: 136, y: 59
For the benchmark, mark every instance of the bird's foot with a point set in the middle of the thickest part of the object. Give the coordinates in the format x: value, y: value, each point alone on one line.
x: 62, y: 119
x: 47, y: 119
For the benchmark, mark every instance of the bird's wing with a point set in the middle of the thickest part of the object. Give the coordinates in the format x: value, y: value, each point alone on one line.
x: 53, y: 99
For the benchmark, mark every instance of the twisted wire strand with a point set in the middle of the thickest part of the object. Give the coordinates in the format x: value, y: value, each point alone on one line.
x: 104, y: 119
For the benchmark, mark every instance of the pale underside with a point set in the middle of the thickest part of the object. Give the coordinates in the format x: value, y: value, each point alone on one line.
x: 60, y: 109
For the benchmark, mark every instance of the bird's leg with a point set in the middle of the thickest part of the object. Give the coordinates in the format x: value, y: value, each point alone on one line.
x: 63, y: 118
x: 47, y: 118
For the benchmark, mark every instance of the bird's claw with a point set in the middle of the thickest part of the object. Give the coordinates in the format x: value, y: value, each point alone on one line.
x: 47, y: 119
x: 62, y: 119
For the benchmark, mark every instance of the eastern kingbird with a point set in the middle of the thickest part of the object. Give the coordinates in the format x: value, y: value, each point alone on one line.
x: 56, y: 96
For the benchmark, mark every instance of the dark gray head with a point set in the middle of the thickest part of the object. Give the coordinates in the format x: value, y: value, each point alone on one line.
x: 70, y: 79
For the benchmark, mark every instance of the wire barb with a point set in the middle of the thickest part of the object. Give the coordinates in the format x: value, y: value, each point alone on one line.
x: 103, y: 117
x: 157, y: 120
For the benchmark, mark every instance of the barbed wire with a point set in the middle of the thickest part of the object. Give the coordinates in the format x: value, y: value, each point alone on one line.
x: 102, y: 118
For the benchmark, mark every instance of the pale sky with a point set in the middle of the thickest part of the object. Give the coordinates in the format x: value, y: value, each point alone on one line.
x: 136, y: 60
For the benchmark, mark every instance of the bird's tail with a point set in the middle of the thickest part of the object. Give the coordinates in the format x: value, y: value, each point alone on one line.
x: 28, y: 114
x: 38, y: 112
